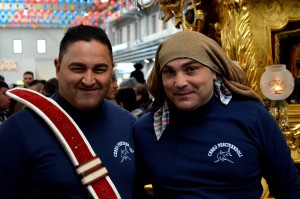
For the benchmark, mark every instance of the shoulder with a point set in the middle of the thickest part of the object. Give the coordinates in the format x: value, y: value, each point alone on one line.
x: 246, y: 105
x: 23, y: 116
x: 23, y: 124
x: 145, y: 121
x: 107, y: 104
x: 254, y: 114
x: 247, y: 112
x: 115, y: 110
x: 148, y: 116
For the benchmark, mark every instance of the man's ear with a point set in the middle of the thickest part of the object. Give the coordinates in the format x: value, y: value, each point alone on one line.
x: 57, y: 67
x: 214, y: 75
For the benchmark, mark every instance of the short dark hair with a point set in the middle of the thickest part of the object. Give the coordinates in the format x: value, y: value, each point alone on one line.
x: 28, y: 73
x: 141, y: 89
x: 51, y: 86
x: 3, y: 85
x: 35, y: 81
x: 83, y: 33
x: 2, y: 78
x: 126, y: 96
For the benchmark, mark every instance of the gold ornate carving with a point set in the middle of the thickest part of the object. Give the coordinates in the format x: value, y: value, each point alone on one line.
x: 293, y: 138
x: 292, y: 134
x: 237, y: 39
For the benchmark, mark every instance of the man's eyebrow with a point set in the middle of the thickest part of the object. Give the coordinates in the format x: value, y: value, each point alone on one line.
x: 76, y: 64
x: 191, y: 62
x: 101, y: 65
x: 83, y: 65
x: 185, y: 64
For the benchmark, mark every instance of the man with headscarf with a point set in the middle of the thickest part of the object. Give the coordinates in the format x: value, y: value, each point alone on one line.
x: 208, y: 135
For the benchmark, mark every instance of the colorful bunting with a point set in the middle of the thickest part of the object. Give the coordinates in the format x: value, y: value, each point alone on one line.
x: 59, y: 13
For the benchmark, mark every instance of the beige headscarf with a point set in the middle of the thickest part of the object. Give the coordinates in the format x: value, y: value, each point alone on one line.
x: 196, y: 46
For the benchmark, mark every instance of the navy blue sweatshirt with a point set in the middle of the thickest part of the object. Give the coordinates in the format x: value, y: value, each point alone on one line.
x: 33, y: 164
x: 216, y: 151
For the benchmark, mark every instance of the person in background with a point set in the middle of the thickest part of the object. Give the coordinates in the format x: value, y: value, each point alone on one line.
x: 208, y: 135
x: 4, y: 102
x: 2, y: 79
x: 138, y: 74
x: 126, y: 98
x: 33, y: 162
x: 50, y: 87
x: 113, y: 88
x: 27, y: 78
x: 143, y: 100
x: 36, y: 85
x: 130, y: 82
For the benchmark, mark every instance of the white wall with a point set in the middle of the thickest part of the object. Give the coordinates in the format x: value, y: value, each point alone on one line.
x: 40, y: 64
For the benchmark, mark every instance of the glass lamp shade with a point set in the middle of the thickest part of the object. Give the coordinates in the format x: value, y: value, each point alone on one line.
x: 277, y: 83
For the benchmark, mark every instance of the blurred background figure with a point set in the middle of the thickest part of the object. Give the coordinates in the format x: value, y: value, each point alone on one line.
x: 4, y: 102
x: 143, y: 100
x: 138, y: 74
x: 128, y: 83
x: 50, y: 87
x: 126, y: 98
x: 36, y: 85
x: 113, y: 88
x: 2, y: 79
x: 27, y: 78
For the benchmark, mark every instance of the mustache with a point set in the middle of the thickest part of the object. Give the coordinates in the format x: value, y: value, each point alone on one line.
x: 183, y: 91
x: 85, y: 87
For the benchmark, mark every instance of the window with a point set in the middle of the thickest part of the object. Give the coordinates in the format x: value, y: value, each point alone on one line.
x: 136, y: 37
x: 165, y: 25
x: 154, y: 24
x: 113, y: 42
x: 128, y: 33
x: 120, y: 36
x: 147, y: 27
x: 17, y: 46
x: 41, y: 46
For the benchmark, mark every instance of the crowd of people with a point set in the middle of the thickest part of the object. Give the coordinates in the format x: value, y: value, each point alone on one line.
x: 46, y: 87
x: 193, y: 129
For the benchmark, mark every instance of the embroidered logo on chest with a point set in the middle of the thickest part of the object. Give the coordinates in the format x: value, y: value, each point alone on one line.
x: 123, y: 150
x: 224, y: 152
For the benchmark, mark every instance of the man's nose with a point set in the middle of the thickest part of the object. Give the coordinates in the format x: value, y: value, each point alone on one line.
x: 180, y: 80
x: 88, y: 78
